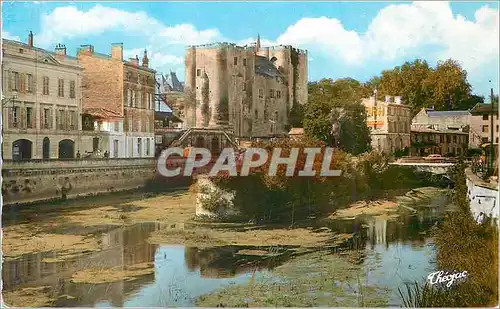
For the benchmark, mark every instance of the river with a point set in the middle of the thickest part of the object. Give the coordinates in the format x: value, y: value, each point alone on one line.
x: 390, y: 252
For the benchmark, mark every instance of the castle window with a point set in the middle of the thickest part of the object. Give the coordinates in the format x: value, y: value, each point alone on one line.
x: 245, y: 62
x: 261, y: 94
x: 235, y: 60
x: 198, y: 72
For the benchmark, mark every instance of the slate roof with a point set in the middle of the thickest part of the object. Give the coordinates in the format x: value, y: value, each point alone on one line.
x: 447, y: 113
x: 265, y: 67
x: 483, y: 109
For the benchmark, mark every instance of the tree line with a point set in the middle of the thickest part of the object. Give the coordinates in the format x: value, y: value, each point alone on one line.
x: 443, y: 87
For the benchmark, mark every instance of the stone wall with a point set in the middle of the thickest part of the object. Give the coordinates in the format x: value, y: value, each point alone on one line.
x: 483, y: 197
x: 31, y: 181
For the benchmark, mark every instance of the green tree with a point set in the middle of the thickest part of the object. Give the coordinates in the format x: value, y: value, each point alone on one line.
x: 419, y: 85
x: 448, y: 84
x: 343, y: 93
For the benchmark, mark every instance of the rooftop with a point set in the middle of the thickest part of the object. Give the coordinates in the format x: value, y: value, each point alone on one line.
x: 24, y: 45
x: 483, y: 109
x: 447, y: 113
x: 100, y: 112
x: 265, y: 67
x: 425, y: 130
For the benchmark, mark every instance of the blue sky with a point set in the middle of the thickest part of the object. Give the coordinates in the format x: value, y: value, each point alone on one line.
x: 344, y: 39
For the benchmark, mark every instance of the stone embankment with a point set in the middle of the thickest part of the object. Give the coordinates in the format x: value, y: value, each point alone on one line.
x: 33, y: 181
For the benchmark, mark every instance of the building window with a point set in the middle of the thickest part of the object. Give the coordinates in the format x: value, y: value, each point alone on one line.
x: 130, y: 125
x: 261, y: 94
x: 244, y: 86
x: 60, y: 91
x: 139, y: 144
x: 29, y: 117
x: 72, y: 89
x: 441, y: 139
x: 198, y: 72
x: 129, y: 97
x: 235, y: 60
x: 244, y: 62
x: 30, y: 83
x: 133, y: 99
x: 72, y: 120
x: 147, y: 146
x: 497, y: 127
x: 448, y: 139
x: 271, y: 93
x: 485, y: 117
x: 45, y: 85
x: 256, y: 114
x: 60, y: 114
x: 454, y: 139
x: 117, y: 126
x: 46, y: 115
x: 278, y: 94
x: 15, y: 117
x: 496, y: 140
x: 139, y: 99
x: 485, y: 128
x: 147, y: 125
x: 16, y: 85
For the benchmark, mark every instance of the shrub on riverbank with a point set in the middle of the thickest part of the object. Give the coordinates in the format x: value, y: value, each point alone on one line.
x: 463, y: 244
x: 288, y: 199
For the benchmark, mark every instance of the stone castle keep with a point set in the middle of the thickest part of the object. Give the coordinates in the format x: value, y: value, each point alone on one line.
x: 249, y: 90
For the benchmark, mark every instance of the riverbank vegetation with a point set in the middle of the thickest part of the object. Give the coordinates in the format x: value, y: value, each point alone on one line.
x: 462, y: 244
x: 285, y: 199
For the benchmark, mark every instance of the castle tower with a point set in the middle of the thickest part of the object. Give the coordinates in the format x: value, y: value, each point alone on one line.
x: 203, y: 112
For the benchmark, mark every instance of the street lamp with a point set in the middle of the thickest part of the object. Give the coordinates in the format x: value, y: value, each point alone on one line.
x: 7, y: 100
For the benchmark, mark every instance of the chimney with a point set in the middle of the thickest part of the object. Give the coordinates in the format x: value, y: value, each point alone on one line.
x: 117, y: 51
x: 397, y: 100
x: 87, y: 48
x: 61, y: 50
x: 30, y: 39
x: 145, y: 60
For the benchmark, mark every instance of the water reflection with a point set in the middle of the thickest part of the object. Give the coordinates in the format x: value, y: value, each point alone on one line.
x: 393, y: 252
x: 121, y: 247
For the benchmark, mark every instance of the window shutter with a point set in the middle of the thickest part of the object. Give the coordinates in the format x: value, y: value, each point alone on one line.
x: 41, y: 117
x: 33, y: 126
x: 22, y: 82
x: 22, y: 122
x: 50, y: 119
x: 9, y: 115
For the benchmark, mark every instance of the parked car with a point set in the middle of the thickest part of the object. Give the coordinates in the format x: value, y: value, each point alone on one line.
x: 434, y: 157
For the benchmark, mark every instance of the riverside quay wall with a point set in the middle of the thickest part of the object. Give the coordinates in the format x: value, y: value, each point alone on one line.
x: 41, y: 180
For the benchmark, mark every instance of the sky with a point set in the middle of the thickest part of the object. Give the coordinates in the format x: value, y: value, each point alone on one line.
x: 343, y: 39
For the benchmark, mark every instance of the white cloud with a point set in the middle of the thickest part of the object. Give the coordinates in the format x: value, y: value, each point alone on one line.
x: 69, y: 22
x: 402, y: 30
x: 158, y: 58
x: 8, y: 36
